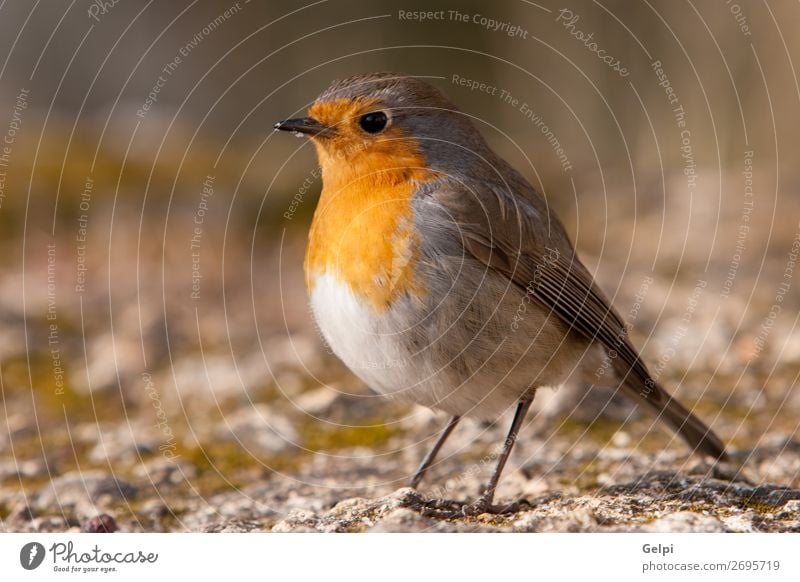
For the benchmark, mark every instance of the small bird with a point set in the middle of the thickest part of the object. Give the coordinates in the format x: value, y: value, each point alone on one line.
x: 440, y: 276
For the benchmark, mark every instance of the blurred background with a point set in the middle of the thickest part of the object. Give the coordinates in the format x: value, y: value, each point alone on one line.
x: 156, y: 347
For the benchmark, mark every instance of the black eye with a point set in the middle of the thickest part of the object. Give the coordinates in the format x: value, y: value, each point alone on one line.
x: 373, y: 122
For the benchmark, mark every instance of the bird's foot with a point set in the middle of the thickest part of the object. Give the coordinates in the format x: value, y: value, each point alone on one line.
x: 724, y: 471
x: 484, y: 505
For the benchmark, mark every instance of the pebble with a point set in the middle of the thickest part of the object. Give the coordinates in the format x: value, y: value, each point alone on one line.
x: 102, y: 523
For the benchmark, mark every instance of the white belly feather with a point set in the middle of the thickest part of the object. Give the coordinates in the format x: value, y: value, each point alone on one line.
x: 449, y: 367
x: 357, y: 335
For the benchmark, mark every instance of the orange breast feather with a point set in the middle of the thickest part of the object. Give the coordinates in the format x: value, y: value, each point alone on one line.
x: 362, y: 233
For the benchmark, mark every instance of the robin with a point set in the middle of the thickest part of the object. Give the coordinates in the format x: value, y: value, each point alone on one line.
x: 439, y: 275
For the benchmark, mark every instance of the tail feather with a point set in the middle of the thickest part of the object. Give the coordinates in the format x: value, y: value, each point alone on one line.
x: 693, y: 430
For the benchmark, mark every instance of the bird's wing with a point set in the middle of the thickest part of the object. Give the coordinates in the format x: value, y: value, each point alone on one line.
x: 523, y: 241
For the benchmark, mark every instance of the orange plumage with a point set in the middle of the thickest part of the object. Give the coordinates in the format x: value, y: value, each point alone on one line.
x: 362, y: 230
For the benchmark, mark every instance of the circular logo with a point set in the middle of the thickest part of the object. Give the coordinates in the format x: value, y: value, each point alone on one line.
x: 31, y: 555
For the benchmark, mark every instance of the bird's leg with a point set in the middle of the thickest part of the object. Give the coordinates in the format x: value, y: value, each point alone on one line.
x: 429, y: 458
x: 484, y: 502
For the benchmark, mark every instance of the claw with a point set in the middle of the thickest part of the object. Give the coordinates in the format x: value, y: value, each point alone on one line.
x: 484, y: 505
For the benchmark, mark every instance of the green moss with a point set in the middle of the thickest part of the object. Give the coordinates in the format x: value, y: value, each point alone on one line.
x: 318, y: 436
x: 62, y: 454
x: 760, y: 506
x: 265, y: 394
x: 600, y: 430
x: 169, y: 521
x: 221, y: 466
x: 54, y: 397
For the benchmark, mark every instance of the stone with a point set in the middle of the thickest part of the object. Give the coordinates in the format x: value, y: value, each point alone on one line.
x: 81, y: 492
x: 103, y: 523
x: 260, y: 429
x: 684, y: 522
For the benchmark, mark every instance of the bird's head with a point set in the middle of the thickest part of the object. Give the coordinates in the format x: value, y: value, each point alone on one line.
x: 385, y: 122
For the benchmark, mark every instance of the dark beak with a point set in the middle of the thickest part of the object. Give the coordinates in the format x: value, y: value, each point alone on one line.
x: 306, y: 125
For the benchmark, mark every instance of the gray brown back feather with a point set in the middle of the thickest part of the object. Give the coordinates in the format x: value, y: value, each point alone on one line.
x: 505, y: 232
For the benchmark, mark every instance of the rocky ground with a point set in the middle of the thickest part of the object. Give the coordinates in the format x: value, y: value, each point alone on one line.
x: 229, y: 413
x: 290, y: 455
x: 599, y: 485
